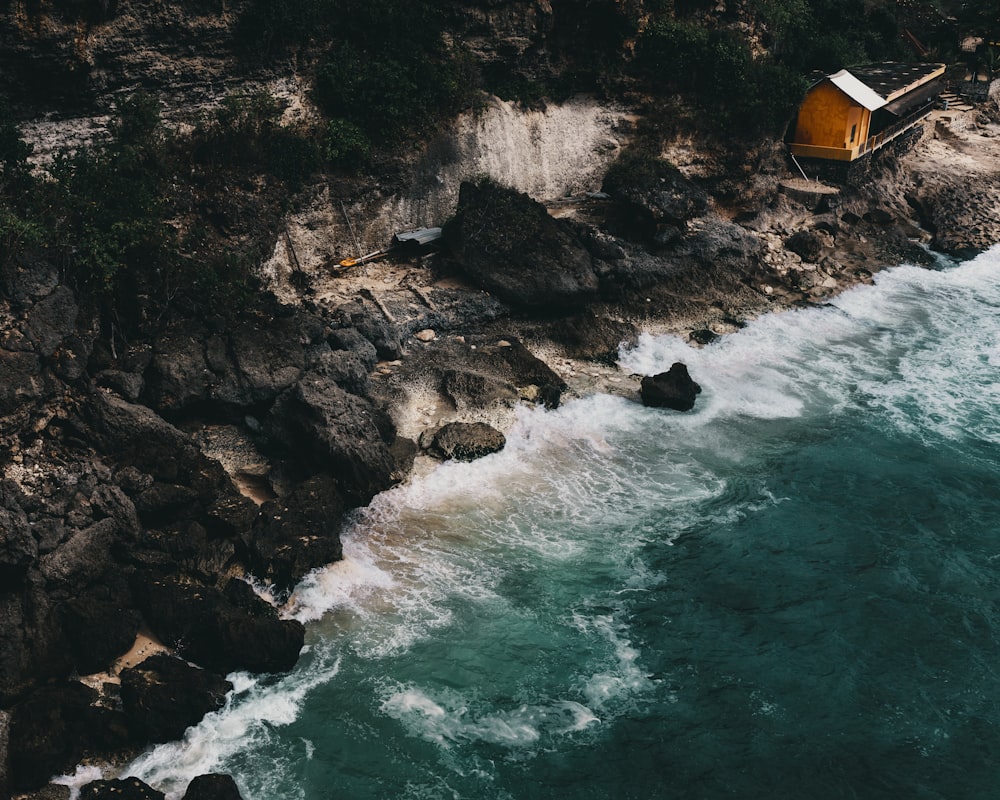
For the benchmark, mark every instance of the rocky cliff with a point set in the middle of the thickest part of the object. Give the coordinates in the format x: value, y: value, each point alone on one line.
x: 151, y: 479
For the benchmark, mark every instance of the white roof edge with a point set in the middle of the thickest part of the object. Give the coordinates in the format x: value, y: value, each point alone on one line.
x: 856, y: 90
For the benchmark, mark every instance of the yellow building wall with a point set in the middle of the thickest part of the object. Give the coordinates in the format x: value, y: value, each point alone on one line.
x: 827, y: 116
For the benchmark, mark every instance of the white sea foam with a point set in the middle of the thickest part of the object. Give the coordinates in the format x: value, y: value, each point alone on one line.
x: 252, y: 710
x: 450, y: 717
x: 83, y: 775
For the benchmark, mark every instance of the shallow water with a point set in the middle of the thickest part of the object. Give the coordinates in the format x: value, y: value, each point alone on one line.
x: 790, y: 592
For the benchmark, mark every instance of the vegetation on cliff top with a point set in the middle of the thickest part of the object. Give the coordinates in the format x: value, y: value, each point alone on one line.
x: 183, y: 220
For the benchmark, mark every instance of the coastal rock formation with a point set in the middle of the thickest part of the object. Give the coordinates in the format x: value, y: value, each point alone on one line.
x: 509, y: 245
x: 671, y: 389
x: 163, y: 696
x: 334, y: 431
x: 656, y: 200
x: 213, y: 786
x: 466, y: 441
x: 220, y: 630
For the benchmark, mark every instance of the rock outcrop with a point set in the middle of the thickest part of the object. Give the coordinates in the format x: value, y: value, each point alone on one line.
x: 163, y: 696
x: 671, y: 389
x: 509, y: 245
x: 466, y: 441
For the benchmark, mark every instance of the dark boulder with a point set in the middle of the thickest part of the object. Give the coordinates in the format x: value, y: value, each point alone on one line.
x: 98, y: 630
x: 703, y: 336
x: 368, y: 321
x: 163, y: 696
x: 466, y: 441
x: 806, y: 244
x: 205, y: 626
x: 347, y: 369
x: 32, y: 642
x: 48, y: 732
x: 123, y: 789
x: 594, y: 338
x: 333, y: 431
x: 241, y: 365
x: 213, y: 787
x: 508, y: 244
x: 672, y: 389
x: 351, y: 340
x: 467, y: 388
x: 657, y: 200
x: 298, y: 532
x: 529, y: 370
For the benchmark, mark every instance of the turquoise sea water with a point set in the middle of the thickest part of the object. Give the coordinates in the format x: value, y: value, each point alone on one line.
x: 791, y: 592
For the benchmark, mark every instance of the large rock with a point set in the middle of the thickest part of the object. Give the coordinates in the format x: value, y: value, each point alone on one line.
x: 55, y: 727
x: 213, y: 786
x: 808, y: 245
x: 163, y: 696
x: 204, y: 625
x: 18, y: 548
x: 330, y: 430
x: 657, y: 200
x: 239, y: 365
x: 99, y: 629
x: 466, y: 441
x: 298, y: 532
x: 32, y: 642
x: 508, y: 244
x: 594, y: 338
x: 672, y: 389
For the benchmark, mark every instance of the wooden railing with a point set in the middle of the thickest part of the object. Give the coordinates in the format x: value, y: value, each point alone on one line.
x: 901, y: 126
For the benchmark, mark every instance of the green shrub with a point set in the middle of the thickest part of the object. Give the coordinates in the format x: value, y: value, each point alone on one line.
x: 345, y: 144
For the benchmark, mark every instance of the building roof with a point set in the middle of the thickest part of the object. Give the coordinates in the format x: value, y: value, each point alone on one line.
x: 892, y: 79
x: 856, y: 90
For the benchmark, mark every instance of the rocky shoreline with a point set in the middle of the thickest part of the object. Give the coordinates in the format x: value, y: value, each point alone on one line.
x: 144, y: 482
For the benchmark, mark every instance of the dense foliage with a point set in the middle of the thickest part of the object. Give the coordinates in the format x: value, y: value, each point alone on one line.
x: 149, y: 220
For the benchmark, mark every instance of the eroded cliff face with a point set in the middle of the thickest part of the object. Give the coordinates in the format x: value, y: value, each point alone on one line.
x: 563, y: 149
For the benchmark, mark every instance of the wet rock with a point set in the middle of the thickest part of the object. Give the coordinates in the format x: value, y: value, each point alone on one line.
x: 298, y: 532
x: 213, y: 786
x: 48, y: 732
x: 163, y: 696
x: 466, y: 441
x: 808, y: 245
x: 119, y: 789
x: 336, y: 432
x: 468, y: 389
x: 703, y: 336
x: 203, y: 625
x: 594, y: 338
x: 672, y: 389
x: 508, y: 244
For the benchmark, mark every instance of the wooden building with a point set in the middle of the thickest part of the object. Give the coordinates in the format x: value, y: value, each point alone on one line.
x: 853, y: 112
